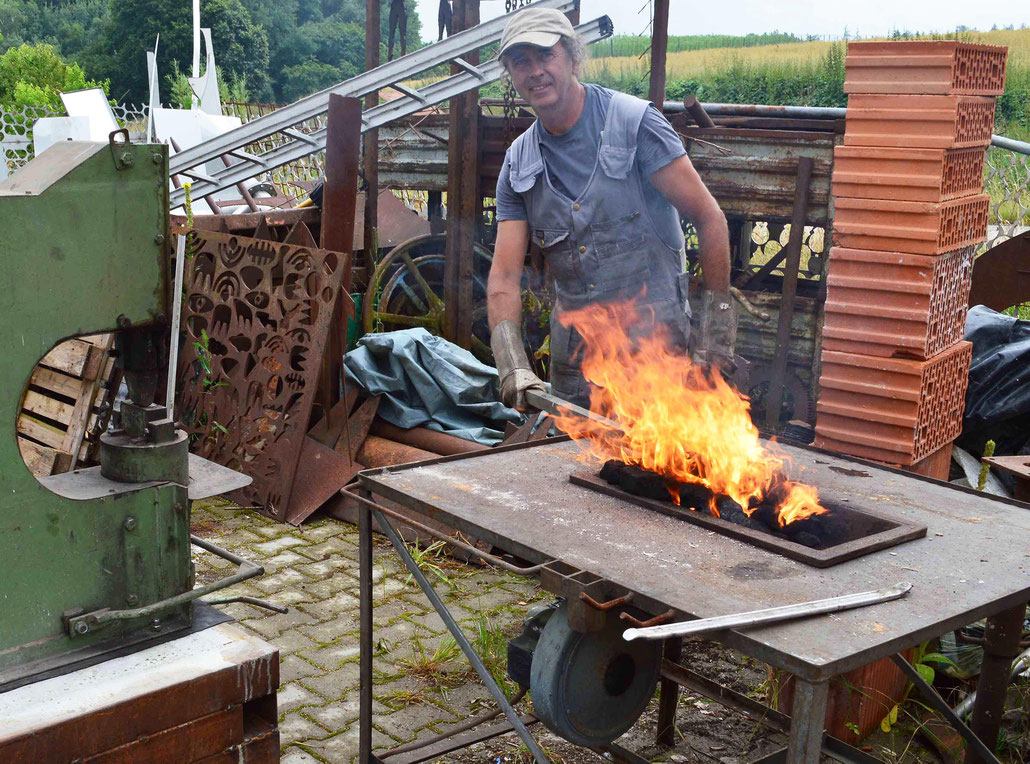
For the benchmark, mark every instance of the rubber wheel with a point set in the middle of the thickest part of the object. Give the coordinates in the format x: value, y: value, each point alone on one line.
x: 591, y: 688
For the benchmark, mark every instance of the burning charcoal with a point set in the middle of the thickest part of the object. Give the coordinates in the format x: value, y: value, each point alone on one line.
x: 764, y: 518
x: 641, y: 482
x: 807, y: 539
x: 731, y: 511
x: 694, y: 496
x: 611, y: 471
x: 827, y: 529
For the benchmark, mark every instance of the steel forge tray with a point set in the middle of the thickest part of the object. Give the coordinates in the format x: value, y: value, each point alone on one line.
x: 973, y: 562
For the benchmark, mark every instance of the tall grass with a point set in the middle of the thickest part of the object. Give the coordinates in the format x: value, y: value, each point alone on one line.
x: 635, y: 45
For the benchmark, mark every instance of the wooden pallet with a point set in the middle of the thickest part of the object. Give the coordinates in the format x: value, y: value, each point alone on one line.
x: 67, y: 405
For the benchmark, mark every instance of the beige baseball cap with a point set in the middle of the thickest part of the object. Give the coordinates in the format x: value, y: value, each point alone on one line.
x: 542, y: 27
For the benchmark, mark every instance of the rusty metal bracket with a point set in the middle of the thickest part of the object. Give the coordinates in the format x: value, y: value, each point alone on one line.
x: 659, y: 619
x: 606, y: 606
x: 123, y: 158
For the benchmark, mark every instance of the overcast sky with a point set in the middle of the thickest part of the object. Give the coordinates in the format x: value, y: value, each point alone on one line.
x: 801, y: 17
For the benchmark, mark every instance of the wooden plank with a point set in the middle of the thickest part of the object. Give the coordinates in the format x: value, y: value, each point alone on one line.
x: 45, y: 433
x: 193, y: 740
x: 70, y: 357
x: 39, y: 459
x: 44, y: 405
x: 79, y: 420
x: 56, y: 382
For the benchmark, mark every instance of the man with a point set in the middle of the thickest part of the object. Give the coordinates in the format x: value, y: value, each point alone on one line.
x: 598, y: 182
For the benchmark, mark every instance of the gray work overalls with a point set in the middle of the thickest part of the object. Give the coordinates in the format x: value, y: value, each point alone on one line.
x: 603, y: 246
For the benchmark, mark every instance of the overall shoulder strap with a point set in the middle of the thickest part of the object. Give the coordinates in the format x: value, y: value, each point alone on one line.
x: 525, y: 160
x: 619, y: 140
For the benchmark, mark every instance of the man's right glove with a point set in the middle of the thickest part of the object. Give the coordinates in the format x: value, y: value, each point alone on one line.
x: 513, y: 369
x: 716, y: 330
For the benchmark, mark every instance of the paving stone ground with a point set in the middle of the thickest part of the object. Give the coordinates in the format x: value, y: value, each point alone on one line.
x: 422, y: 682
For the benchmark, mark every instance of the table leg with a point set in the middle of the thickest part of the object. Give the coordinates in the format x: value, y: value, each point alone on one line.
x: 808, y: 719
x: 669, y: 697
x: 1001, y: 646
x: 365, y: 640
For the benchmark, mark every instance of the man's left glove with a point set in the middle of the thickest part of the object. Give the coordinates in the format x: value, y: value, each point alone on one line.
x: 513, y: 369
x: 716, y: 330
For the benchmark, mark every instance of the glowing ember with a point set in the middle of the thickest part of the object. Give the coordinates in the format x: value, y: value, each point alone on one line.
x: 678, y: 421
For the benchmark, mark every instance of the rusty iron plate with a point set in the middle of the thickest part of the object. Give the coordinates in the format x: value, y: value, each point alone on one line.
x: 256, y: 319
x: 973, y: 562
x: 874, y: 532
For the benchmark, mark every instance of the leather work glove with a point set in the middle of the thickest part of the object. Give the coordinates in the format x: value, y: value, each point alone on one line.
x: 715, y: 330
x: 513, y: 369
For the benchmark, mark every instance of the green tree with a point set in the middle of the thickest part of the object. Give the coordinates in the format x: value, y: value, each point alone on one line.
x: 241, y: 47
x: 36, y: 75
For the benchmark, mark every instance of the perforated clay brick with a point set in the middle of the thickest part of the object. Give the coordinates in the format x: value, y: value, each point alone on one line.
x: 916, y: 227
x: 888, y: 409
x: 907, y: 174
x: 925, y: 67
x: 919, y: 121
x: 896, y: 305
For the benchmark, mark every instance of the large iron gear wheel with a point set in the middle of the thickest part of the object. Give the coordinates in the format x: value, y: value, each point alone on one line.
x: 797, y: 398
x: 591, y: 687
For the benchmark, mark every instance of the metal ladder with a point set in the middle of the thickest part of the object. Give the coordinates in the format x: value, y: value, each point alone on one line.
x: 245, y: 165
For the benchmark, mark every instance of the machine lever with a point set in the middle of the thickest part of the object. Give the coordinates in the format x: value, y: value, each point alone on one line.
x: 769, y: 615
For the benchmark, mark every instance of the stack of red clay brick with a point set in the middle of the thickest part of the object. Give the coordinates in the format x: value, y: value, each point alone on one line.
x: 910, y: 211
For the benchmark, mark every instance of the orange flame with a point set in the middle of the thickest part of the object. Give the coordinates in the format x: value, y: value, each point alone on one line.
x: 678, y: 420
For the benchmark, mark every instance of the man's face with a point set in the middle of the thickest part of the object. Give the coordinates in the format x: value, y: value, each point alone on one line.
x: 543, y: 76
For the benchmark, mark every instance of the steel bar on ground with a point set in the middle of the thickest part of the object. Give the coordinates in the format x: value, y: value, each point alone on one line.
x: 935, y: 700
x: 458, y: 742
x: 770, y: 615
x: 659, y: 50
x: 365, y: 637
x: 384, y: 113
x: 459, y: 637
x: 774, y: 397
x: 1001, y: 646
x: 806, y: 727
x: 317, y: 103
x: 668, y: 698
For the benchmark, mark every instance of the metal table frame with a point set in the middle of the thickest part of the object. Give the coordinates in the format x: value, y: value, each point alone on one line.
x: 806, y: 737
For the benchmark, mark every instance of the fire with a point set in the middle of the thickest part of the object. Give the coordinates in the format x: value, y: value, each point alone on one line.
x: 678, y: 420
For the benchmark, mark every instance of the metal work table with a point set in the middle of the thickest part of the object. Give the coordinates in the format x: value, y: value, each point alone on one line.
x: 973, y: 563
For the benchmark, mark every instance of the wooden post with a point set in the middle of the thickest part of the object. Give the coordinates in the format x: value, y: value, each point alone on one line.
x: 463, y: 203
x: 371, y: 142
x: 659, y: 47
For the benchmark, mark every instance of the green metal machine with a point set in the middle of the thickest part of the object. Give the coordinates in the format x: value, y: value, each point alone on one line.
x: 95, y: 559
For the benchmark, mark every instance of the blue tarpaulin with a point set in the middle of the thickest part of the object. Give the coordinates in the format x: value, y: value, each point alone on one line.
x: 426, y: 381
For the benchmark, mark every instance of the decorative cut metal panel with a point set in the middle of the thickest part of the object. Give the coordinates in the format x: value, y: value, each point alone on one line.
x: 1005, y: 179
x: 256, y: 318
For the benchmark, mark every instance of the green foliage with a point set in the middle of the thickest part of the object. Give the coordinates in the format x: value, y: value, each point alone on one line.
x: 34, y: 75
x: 635, y: 45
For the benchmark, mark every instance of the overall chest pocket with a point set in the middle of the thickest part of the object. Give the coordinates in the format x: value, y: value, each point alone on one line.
x: 563, y: 260
x: 620, y: 250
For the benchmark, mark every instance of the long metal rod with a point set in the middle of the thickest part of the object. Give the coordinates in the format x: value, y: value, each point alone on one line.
x: 434, y: 93
x: 365, y: 652
x: 552, y: 404
x: 460, y: 638
x: 173, y: 344
x: 935, y: 700
x: 1019, y: 666
x: 769, y: 615
x: 313, y: 105
x: 811, y: 112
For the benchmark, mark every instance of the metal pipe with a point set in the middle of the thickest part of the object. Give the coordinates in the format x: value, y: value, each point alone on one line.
x: 697, y: 111
x: 380, y: 452
x: 426, y: 439
x: 1001, y: 646
x: 365, y: 633
x: 810, y: 112
x: 1020, y: 666
x: 770, y: 615
x: 173, y: 346
x: 461, y: 639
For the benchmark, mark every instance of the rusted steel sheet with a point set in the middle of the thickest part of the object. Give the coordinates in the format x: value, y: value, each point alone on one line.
x: 190, y: 709
x: 413, y: 153
x: 256, y: 321
x: 426, y: 439
x: 321, y: 472
x: 917, y: 227
x: 752, y: 173
x: 1001, y: 275
x: 943, y: 67
x: 891, y: 410
x: 914, y: 175
x: 924, y: 121
x: 893, y: 304
x: 247, y: 222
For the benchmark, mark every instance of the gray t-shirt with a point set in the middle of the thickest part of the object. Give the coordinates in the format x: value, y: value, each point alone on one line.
x: 571, y: 156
